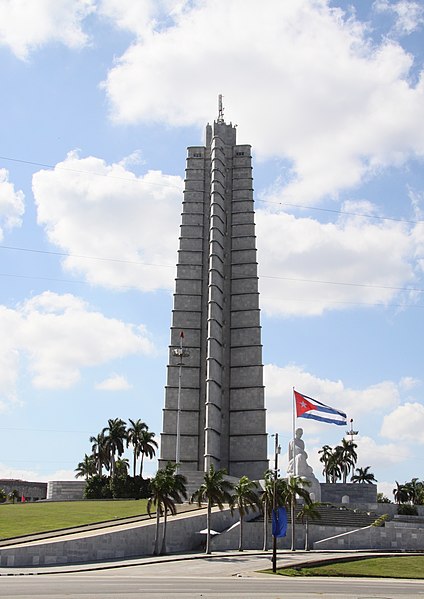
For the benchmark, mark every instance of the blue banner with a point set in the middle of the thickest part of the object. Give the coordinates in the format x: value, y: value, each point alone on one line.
x: 279, y: 522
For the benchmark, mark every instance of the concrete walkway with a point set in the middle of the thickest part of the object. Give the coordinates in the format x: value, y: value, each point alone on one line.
x: 251, y: 561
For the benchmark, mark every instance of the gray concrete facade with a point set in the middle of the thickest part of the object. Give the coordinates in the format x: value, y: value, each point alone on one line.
x: 32, y: 491
x: 65, y: 490
x: 216, y: 305
x: 356, y: 493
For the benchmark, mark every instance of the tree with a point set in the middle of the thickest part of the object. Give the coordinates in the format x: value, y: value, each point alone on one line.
x: 177, y: 491
x: 347, y: 456
x: 327, y: 452
x: 309, y: 511
x: 381, y: 498
x: 100, y: 452
x: 333, y: 467
x: 134, y: 435
x: 86, y: 468
x: 267, y: 500
x: 13, y: 495
x: 416, y: 491
x: 296, y: 487
x: 115, y: 434
x: 3, y: 495
x: 363, y: 476
x: 214, y: 490
x: 122, y: 465
x: 244, y: 499
x: 401, y: 493
x: 148, y: 447
x: 166, y: 489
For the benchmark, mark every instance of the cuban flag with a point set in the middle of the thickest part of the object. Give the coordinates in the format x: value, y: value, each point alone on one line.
x: 306, y: 407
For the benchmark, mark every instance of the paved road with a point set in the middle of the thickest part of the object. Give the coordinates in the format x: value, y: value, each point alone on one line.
x: 222, y: 576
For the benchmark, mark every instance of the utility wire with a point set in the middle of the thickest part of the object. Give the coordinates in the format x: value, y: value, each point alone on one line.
x: 156, y: 265
x: 96, y: 174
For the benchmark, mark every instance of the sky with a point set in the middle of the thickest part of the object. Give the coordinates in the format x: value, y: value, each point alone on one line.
x: 99, y: 100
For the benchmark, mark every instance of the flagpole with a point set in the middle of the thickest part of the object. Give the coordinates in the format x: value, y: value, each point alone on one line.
x: 294, y: 433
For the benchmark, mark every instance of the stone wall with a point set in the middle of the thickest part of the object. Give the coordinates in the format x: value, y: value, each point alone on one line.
x: 357, y: 493
x: 183, y: 534
x: 32, y: 491
x: 65, y: 490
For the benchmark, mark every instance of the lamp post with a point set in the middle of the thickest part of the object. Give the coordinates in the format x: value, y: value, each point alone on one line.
x: 351, y: 433
x: 274, y: 503
x: 180, y: 353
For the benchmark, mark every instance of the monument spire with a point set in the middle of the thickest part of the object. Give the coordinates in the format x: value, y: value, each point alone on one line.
x: 214, y: 401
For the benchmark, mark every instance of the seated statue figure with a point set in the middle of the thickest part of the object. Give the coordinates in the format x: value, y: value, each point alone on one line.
x: 298, y: 458
x: 298, y: 464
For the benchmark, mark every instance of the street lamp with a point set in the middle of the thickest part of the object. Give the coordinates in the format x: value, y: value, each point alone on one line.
x: 274, y: 503
x: 179, y: 352
x: 352, y: 433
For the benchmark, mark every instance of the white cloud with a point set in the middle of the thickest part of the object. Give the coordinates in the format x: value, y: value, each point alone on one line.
x: 26, y: 25
x: 279, y: 382
x: 409, y: 15
x: 405, y: 423
x: 34, y: 476
x: 380, y: 456
x: 116, y: 382
x: 304, y: 83
x: 352, y: 250
x: 60, y: 335
x: 89, y: 208
x: 11, y: 203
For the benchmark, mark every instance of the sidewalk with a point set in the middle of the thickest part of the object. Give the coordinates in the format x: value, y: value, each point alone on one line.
x: 260, y: 558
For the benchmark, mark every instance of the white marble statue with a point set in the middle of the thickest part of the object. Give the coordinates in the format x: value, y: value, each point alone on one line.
x: 298, y: 465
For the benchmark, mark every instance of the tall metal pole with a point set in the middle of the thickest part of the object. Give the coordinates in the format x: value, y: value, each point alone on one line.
x: 177, y: 442
x: 180, y: 353
x: 274, y: 506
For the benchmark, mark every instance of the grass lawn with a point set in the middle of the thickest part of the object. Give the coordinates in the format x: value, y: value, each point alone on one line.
x: 383, y: 567
x: 27, y: 518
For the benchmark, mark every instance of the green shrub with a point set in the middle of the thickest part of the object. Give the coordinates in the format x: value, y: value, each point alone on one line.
x: 405, y: 509
x: 3, y: 495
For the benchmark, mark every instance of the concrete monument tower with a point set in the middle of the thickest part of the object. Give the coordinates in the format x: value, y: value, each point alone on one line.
x: 214, y: 398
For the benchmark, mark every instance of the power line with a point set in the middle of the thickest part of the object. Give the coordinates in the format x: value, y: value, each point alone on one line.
x: 81, y: 172
x: 97, y: 174
x: 156, y: 265
x: 333, y: 211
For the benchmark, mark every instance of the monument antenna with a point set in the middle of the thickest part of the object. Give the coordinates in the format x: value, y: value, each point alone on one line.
x: 220, y: 110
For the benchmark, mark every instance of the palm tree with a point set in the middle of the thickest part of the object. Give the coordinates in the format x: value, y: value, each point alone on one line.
x: 148, y: 447
x: 214, y: 490
x: 333, y: 467
x: 164, y: 493
x: 326, y: 455
x: 309, y: 511
x: 177, y: 491
x: 347, y: 457
x: 363, y: 476
x: 134, y: 435
x: 267, y: 500
x: 416, y: 491
x: 86, y: 468
x: 13, y: 495
x: 115, y: 433
x: 296, y: 487
x: 401, y: 493
x: 122, y: 465
x: 244, y: 499
x: 99, y: 452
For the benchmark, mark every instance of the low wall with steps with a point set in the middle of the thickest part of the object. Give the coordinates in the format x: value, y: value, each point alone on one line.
x: 65, y: 490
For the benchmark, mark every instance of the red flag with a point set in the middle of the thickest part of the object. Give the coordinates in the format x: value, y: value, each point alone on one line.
x: 23, y: 499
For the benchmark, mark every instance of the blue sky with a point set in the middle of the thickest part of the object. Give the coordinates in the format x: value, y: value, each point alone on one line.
x: 100, y: 99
